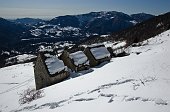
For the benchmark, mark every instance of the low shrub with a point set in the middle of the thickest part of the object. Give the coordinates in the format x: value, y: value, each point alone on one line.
x: 29, y: 95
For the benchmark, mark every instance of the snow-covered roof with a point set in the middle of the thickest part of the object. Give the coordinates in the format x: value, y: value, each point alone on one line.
x: 119, y: 45
x: 54, y: 65
x: 79, y: 58
x: 96, y: 45
x: 100, y: 52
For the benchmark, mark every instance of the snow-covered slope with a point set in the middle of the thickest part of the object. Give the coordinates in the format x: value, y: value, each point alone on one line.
x: 136, y: 83
x: 14, y: 80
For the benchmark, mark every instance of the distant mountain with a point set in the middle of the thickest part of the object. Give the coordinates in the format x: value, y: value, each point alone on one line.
x: 65, y: 28
x: 64, y: 21
x: 100, y: 22
x: 25, y: 35
x: 10, y: 32
x: 141, y: 16
x: 139, y: 32
x: 31, y: 21
x: 78, y: 27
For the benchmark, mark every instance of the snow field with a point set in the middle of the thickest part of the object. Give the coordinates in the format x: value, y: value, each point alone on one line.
x: 136, y: 83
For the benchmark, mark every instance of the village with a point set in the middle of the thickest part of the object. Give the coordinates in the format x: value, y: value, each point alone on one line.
x: 53, y: 66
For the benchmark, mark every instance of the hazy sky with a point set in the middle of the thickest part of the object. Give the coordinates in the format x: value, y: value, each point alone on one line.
x: 53, y: 8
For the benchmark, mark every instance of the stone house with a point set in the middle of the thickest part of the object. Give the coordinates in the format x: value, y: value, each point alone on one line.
x: 76, y: 61
x: 97, y: 54
x: 49, y: 70
x: 112, y: 53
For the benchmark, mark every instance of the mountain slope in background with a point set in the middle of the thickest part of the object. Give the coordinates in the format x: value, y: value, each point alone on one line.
x: 20, y: 38
x: 100, y: 22
x: 78, y: 27
x: 139, y: 32
x: 9, y: 32
x: 28, y: 21
x: 63, y: 28
x: 141, y: 16
x: 10, y: 35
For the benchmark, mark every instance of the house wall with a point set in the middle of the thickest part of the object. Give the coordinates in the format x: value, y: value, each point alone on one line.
x: 93, y: 62
x: 70, y: 64
x: 40, y: 72
x: 42, y: 76
x: 84, y: 67
x: 104, y: 59
x: 67, y: 61
x: 58, y: 77
x: 111, y: 52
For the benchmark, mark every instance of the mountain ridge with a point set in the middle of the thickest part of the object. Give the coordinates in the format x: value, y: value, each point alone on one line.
x: 28, y: 20
x: 139, y: 32
x: 93, y: 20
x: 22, y: 38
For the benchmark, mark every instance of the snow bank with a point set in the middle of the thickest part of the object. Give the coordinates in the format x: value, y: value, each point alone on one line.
x: 100, y: 52
x: 14, y: 79
x: 54, y: 65
x: 79, y: 58
x: 20, y: 58
x: 119, y: 45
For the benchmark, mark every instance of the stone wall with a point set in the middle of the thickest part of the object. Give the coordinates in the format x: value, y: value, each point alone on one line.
x: 58, y: 77
x: 92, y: 60
x: 40, y: 72
x: 67, y: 61
x: 42, y: 76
